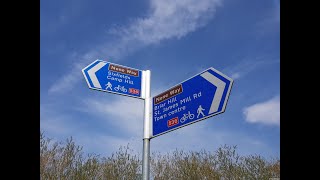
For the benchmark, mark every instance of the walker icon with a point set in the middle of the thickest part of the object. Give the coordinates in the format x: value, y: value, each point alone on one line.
x: 199, y: 111
x: 109, y: 85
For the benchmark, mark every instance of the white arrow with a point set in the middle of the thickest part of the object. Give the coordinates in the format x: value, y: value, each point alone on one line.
x: 220, y: 88
x: 92, y: 74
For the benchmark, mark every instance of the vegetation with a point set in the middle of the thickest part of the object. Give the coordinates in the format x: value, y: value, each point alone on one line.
x: 66, y: 161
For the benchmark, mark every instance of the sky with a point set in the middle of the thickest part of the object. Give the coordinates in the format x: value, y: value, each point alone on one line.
x: 175, y: 40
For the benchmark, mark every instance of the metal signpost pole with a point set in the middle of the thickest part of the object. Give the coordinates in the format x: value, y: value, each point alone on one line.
x: 195, y: 99
x: 146, y: 126
x: 118, y: 79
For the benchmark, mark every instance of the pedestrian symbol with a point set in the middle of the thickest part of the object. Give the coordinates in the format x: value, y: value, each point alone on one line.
x: 109, y: 85
x: 199, y: 111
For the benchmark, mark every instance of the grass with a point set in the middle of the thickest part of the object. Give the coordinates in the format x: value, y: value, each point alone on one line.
x: 65, y: 160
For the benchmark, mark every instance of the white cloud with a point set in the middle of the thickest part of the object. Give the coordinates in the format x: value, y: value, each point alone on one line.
x: 71, y: 9
x: 247, y: 65
x: 67, y: 81
x: 54, y: 123
x: 170, y: 19
x: 270, y: 21
x: 235, y: 75
x: 267, y: 112
x: 198, y: 136
x: 74, y: 75
x: 167, y: 19
x: 194, y: 137
x: 106, y: 145
x: 122, y: 113
x: 126, y: 114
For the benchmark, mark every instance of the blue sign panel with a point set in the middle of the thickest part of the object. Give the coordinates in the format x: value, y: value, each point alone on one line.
x: 113, y: 78
x: 200, y: 97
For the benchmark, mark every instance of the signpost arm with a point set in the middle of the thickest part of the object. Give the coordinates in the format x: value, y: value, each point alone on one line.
x: 146, y: 127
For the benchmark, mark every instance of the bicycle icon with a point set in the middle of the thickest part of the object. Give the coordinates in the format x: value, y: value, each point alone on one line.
x: 120, y: 88
x: 186, y: 117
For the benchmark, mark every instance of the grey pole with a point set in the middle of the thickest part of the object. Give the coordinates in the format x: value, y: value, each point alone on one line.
x: 146, y: 127
x: 146, y: 156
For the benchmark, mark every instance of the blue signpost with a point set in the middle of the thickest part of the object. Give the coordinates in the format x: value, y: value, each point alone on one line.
x: 200, y: 97
x: 114, y: 78
x: 197, y: 98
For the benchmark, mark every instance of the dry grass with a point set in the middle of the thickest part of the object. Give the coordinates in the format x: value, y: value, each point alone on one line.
x: 65, y: 161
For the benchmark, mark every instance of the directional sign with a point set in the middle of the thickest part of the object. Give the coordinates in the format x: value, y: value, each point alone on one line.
x: 113, y: 78
x: 200, y: 97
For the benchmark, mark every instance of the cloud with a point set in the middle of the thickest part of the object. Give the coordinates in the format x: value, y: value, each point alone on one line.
x: 267, y: 112
x: 195, y: 137
x: 170, y: 19
x: 248, y: 65
x: 125, y: 114
x: 106, y: 145
x: 67, y: 81
x: 270, y: 22
x: 167, y: 19
x: 236, y: 75
x: 74, y: 75
x: 54, y: 123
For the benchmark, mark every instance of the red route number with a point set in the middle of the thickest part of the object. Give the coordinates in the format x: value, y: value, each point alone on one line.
x: 173, y: 121
x: 133, y: 91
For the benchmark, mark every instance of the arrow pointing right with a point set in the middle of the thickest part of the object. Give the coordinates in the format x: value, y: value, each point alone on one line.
x: 218, y: 95
x: 210, y: 90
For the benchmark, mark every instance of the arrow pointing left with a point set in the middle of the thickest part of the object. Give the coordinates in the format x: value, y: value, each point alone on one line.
x: 114, y: 78
x: 92, y: 74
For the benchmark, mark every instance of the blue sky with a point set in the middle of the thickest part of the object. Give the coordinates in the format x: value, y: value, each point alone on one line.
x: 175, y: 40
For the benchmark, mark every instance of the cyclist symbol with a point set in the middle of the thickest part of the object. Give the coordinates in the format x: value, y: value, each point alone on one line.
x: 186, y: 117
x: 120, y: 88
